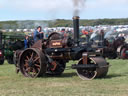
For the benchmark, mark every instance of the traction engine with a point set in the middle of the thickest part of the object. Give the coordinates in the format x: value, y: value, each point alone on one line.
x: 51, y: 55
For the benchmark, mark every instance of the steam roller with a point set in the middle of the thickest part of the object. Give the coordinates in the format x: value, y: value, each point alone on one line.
x: 49, y: 57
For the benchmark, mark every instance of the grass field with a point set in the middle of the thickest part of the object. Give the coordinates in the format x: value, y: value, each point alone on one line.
x: 68, y: 84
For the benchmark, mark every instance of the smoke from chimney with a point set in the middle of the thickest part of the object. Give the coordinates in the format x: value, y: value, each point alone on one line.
x: 78, y: 6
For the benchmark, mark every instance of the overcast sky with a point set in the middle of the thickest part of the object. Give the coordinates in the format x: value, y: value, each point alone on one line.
x: 61, y: 9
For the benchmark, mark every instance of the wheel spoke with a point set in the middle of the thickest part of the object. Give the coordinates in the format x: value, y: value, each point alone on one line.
x: 31, y: 55
x: 33, y: 72
x: 26, y: 65
x: 28, y: 69
x: 27, y: 57
x: 37, y: 65
x: 36, y: 59
x: 38, y: 69
x: 26, y: 60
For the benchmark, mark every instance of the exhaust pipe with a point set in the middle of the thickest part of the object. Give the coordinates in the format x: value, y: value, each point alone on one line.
x: 102, y: 37
x: 76, y: 29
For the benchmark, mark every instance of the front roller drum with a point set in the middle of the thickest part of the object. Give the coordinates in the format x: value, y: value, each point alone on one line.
x: 93, y: 72
x: 32, y: 63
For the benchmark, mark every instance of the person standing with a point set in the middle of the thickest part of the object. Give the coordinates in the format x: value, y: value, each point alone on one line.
x: 26, y: 42
x: 38, y: 34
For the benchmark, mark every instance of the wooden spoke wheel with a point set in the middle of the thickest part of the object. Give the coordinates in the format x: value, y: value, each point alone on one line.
x: 124, y: 53
x: 32, y: 63
x: 90, y: 73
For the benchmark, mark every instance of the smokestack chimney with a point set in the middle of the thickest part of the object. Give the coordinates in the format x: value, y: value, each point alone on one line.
x: 102, y: 37
x: 76, y: 29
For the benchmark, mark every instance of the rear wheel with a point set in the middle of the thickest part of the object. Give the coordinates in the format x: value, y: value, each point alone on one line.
x: 32, y: 63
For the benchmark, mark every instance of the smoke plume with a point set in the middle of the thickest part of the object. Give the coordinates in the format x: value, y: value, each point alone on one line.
x: 78, y: 6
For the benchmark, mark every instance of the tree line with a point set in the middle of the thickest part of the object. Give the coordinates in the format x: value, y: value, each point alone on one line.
x: 30, y: 24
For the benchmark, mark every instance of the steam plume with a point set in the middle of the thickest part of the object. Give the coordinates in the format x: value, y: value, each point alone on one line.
x: 78, y: 6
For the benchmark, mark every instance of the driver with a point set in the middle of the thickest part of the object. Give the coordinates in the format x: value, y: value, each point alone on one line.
x: 38, y: 34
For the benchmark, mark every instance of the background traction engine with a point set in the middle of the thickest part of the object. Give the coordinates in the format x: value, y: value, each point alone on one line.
x: 1, y: 50
x: 50, y: 57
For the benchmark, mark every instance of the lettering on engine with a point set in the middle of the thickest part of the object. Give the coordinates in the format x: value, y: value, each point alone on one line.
x: 56, y: 44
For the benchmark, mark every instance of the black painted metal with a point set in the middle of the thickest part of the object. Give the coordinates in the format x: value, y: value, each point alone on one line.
x: 81, y: 66
x: 76, y: 29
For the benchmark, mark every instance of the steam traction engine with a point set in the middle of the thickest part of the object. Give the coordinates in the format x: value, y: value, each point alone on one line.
x: 50, y: 57
x: 116, y: 48
x: 9, y: 44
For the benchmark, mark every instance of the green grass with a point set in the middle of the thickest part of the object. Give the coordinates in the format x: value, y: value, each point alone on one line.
x: 68, y: 84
